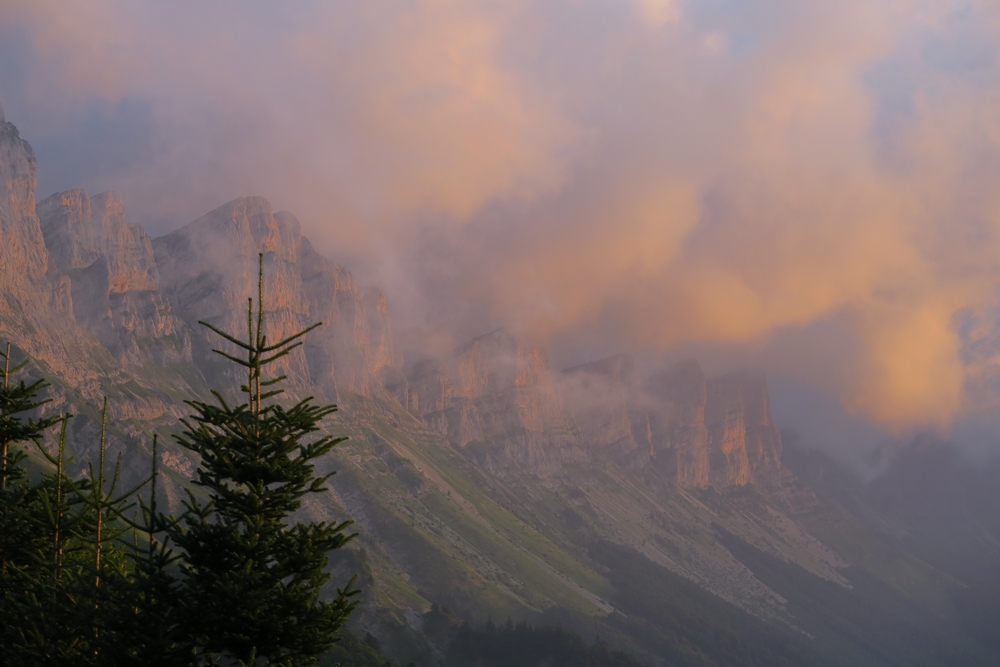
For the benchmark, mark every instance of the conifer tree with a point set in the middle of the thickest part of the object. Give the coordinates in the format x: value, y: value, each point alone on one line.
x: 17, y: 399
x: 68, y: 595
x: 147, y: 627
x: 59, y: 543
x: 110, y: 587
x: 19, y: 540
x: 56, y: 618
x: 250, y: 579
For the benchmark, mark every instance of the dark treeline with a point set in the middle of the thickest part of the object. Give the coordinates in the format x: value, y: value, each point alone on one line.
x: 93, y: 574
x: 463, y: 644
x: 523, y: 644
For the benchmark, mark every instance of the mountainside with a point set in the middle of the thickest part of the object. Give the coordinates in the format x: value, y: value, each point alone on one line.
x: 23, y: 255
x: 207, y: 265
x: 113, y: 278
x: 654, y: 510
x: 943, y: 504
x: 499, y: 395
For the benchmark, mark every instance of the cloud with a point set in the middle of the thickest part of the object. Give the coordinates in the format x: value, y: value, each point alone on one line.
x: 757, y: 181
x: 659, y: 13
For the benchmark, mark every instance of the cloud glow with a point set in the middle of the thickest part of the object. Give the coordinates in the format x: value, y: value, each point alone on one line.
x: 641, y: 174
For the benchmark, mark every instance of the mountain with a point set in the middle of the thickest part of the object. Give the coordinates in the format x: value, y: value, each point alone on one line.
x: 653, y: 509
x: 943, y: 504
x: 499, y: 396
x: 23, y: 255
x: 113, y: 278
x: 497, y: 399
x: 208, y: 264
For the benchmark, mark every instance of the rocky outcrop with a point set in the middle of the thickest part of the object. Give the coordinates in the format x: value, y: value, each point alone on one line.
x: 209, y: 269
x: 110, y: 312
x: 677, y: 400
x: 80, y: 230
x: 744, y: 444
x: 112, y: 275
x: 142, y: 299
x: 497, y: 399
x: 23, y: 256
x: 690, y: 430
x: 602, y: 399
x: 35, y: 300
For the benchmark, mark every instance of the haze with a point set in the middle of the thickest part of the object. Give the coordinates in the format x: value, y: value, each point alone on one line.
x: 807, y: 188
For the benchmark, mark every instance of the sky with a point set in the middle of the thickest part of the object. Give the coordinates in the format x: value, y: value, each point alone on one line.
x: 806, y: 188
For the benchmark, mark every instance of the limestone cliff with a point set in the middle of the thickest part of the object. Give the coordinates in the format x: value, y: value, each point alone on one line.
x: 601, y: 397
x: 744, y: 444
x: 35, y: 302
x: 23, y: 256
x: 108, y: 312
x: 36, y: 316
x: 496, y: 397
x: 209, y: 269
x: 112, y: 276
x: 690, y: 430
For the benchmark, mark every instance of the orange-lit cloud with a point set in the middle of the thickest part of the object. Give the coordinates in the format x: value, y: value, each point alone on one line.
x: 767, y: 178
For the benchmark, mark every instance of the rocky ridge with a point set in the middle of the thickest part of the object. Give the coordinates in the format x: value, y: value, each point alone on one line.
x: 37, y: 302
x: 107, y: 311
x: 208, y: 265
x: 23, y: 255
x: 497, y: 398
x: 481, y: 480
x: 114, y: 283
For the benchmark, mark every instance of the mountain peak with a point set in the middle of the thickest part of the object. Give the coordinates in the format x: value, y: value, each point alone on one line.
x: 244, y: 227
x: 23, y: 257
x: 210, y: 267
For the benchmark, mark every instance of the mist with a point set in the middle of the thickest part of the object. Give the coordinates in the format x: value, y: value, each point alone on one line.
x: 805, y: 189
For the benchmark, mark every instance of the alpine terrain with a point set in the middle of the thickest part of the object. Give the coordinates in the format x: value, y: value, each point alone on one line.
x: 656, y: 508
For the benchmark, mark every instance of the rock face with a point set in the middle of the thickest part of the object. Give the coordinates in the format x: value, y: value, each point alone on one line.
x: 209, y: 269
x: 609, y: 420
x: 497, y: 398
x: 690, y: 430
x: 113, y: 279
x: 23, y: 256
x: 35, y: 299
x: 744, y: 444
x: 143, y: 299
x: 77, y: 277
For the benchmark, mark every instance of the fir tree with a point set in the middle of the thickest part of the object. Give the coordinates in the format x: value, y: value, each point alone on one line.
x: 20, y: 541
x: 69, y: 598
x: 148, y: 628
x: 250, y: 579
x: 111, y: 586
x: 66, y: 579
x: 54, y: 622
x: 17, y: 399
